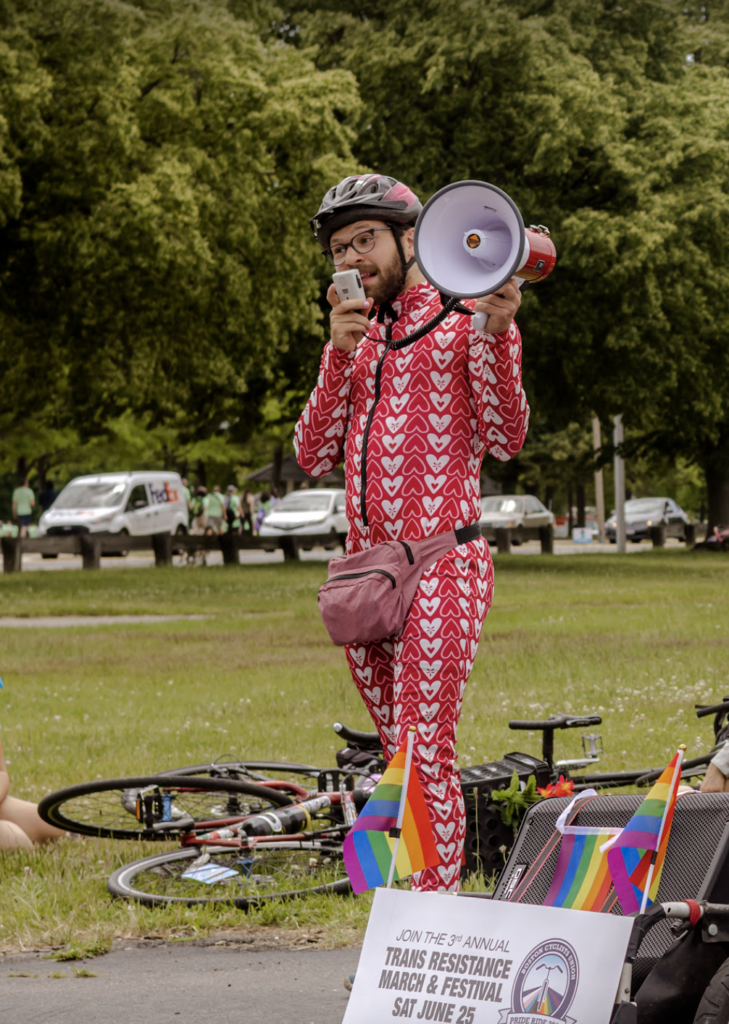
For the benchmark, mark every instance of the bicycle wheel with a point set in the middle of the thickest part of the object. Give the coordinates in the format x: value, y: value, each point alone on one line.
x: 237, y: 877
x: 130, y: 808
x: 253, y: 771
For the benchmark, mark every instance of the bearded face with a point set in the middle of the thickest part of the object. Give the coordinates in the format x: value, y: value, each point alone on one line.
x: 383, y: 282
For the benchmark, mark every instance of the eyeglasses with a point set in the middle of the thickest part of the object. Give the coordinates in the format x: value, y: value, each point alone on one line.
x: 362, y: 243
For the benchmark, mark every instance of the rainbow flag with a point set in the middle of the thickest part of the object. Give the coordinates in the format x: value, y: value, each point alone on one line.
x: 636, y: 857
x: 372, y: 840
x: 581, y: 879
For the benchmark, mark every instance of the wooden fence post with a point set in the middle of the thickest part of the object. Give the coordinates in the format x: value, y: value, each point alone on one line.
x: 546, y: 539
x: 90, y: 550
x: 229, y: 547
x: 162, y: 547
x: 658, y: 536
x: 12, y: 554
x: 503, y: 540
x: 290, y: 549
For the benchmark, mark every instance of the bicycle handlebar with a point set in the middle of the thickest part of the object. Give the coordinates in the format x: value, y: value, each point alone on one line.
x: 363, y: 740
x: 702, y: 711
x: 558, y: 722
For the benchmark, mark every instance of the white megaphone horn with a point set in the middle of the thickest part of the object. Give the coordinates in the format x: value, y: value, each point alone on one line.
x: 470, y: 240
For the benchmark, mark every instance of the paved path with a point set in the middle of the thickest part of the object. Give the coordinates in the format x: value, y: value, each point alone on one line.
x: 61, y: 621
x: 141, y: 559
x: 171, y: 983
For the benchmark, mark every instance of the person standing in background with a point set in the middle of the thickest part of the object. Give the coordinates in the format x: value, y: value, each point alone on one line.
x: 233, y: 509
x: 23, y: 505
x: 248, y: 510
x: 47, y: 496
x: 263, y: 509
x: 216, y: 510
x: 199, y: 510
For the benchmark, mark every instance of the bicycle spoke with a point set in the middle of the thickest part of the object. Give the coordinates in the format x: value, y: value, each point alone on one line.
x: 240, y: 876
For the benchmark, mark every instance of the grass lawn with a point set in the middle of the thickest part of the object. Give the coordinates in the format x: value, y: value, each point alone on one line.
x: 638, y: 638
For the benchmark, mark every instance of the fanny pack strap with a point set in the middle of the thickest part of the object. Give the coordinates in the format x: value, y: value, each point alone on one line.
x: 465, y: 534
x: 431, y: 549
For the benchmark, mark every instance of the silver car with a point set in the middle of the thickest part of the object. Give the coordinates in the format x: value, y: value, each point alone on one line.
x: 520, y: 513
x: 318, y: 512
x: 642, y: 514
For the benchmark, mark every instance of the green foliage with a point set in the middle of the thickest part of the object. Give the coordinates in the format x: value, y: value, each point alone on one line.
x: 157, y: 162
x: 516, y: 801
x: 598, y: 123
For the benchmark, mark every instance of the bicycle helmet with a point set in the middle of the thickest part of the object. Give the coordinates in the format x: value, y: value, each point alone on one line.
x: 364, y: 196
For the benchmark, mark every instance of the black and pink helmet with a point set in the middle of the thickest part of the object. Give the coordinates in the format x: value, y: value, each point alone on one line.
x: 364, y: 196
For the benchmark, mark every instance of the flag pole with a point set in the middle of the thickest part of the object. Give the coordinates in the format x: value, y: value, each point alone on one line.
x: 654, y: 856
x: 395, y: 832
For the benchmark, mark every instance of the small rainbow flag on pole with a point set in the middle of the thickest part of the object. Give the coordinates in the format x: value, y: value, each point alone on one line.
x: 581, y: 879
x: 636, y: 857
x: 392, y: 837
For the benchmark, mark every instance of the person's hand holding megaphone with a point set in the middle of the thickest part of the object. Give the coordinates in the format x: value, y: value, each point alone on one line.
x: 500, y: 307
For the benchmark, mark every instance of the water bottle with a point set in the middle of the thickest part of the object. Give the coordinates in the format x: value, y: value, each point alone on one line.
x: 284, y: 820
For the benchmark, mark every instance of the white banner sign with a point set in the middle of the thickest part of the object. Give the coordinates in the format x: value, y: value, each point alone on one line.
x: 433, y: 957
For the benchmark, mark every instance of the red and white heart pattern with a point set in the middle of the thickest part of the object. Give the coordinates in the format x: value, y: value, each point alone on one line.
x: 443, y: 400
x: 406, y: 685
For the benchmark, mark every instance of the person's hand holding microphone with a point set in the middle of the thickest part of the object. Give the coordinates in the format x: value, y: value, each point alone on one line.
x: 348, y: 325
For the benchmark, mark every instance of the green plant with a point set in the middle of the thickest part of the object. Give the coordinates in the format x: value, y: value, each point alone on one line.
x: 515, y: 800
x: 83, y: 951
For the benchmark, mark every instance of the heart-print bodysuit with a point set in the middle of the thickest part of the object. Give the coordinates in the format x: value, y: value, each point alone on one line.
x: 413, y: 427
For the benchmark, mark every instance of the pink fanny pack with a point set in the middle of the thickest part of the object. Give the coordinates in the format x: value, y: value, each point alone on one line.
x: 367, y: 596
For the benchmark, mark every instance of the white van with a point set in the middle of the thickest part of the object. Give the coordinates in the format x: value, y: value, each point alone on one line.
x: 134, y: 504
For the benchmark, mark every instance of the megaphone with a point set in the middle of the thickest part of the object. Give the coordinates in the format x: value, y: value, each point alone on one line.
x: 470, y: 240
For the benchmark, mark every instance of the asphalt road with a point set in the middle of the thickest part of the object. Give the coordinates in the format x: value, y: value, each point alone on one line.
x: 170, y: 983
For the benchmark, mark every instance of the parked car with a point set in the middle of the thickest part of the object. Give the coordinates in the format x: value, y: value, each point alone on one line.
x: 320, y: 512
x: 129, y: 504
x: 641, y: 514
x: 518, y: 512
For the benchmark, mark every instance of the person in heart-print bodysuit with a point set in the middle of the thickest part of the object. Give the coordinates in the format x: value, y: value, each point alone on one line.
x: 412, y: 421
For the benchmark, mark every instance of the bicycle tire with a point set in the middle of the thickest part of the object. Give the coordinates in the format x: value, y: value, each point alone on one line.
x: 159, y: 880
x: 714, y: 1005
x: 251, y: 771
x: 105, y: 808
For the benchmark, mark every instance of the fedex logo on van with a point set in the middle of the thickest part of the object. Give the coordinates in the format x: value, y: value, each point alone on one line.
x: 162, y: 494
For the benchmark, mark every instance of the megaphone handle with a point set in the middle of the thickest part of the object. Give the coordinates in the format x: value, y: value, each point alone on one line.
x: 479, y: 322
x: 481, y: 319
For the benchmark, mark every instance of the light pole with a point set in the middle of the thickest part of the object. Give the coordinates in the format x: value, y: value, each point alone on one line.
x: 619, y: 467
x: 599, y: 489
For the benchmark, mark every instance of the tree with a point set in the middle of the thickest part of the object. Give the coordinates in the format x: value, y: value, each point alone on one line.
x: 156, y: 164
x: 595, y: 120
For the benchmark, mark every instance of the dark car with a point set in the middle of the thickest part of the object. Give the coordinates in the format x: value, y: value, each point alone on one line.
x: 642, y: 514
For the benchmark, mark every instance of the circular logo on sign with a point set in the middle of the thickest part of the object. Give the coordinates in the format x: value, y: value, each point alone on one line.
x: 546, y: 982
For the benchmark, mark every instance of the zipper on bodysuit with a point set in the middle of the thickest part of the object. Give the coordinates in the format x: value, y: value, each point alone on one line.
x: 366, y: 433
x: 416, y: 335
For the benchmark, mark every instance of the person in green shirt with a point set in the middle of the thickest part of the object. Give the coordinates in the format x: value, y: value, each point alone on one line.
x: 23, y: 504
x: 199, y: 510
x: 216, y: 510
x: 233, y: 509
